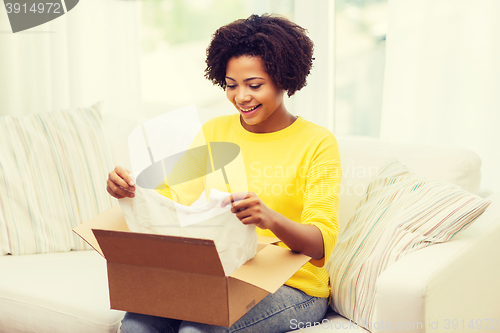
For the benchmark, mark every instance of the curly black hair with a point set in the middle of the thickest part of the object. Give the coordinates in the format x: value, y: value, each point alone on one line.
x: 284, y: 47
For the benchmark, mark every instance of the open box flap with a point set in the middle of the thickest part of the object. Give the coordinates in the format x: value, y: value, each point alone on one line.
x: 267, y: 239
x: 271, y: 267
x: 263, y: 241
x: 175, y: 253
x: 111, y: 219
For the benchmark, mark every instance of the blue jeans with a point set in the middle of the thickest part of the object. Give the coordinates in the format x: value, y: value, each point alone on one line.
x: 278, y: 312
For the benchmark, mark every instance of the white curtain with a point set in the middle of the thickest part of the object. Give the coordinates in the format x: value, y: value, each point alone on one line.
x: 90, y: 54
x: 442, y: 77
x: 315, y: 102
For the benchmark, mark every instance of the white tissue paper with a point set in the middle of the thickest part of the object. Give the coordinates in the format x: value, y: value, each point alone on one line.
x: 151, y: 212
x: 152, y: 147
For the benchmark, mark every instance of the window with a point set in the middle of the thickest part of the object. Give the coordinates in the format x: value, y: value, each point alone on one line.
x: 361, y: 27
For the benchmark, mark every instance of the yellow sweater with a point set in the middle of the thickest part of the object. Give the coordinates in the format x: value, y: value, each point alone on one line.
x: 295, y: 171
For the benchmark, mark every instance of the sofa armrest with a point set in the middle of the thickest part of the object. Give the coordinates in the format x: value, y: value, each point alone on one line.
x: 445, y: 286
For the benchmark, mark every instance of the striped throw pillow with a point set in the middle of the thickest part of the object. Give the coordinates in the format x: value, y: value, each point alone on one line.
x: 53, y: 170
x: 400, y: 213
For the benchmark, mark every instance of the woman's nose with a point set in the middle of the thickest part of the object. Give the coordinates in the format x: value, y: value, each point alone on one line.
x: 242, y: 96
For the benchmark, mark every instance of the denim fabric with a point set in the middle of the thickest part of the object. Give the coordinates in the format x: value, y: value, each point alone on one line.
x: 139, y: 323
x: 278, y: 312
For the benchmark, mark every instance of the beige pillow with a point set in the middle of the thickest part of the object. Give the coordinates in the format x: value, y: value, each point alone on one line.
x: 53, y: 171
x: 400, y: 213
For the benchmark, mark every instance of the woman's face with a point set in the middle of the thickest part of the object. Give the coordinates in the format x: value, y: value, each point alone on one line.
x: 255, y: 96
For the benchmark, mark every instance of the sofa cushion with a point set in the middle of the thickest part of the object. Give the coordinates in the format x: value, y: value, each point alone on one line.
x: 56, y: 292
x: 400, y: 213
x: 362, y: 159
x: 53, y: 171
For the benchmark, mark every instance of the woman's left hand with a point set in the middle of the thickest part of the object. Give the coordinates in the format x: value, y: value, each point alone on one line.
x: 250, y: 209
x: 302, y: 238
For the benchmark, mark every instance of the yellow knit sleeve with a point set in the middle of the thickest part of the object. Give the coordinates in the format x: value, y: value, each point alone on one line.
x: 321, y: 199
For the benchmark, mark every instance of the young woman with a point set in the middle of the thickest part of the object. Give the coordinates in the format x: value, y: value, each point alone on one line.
x: 292, y: 166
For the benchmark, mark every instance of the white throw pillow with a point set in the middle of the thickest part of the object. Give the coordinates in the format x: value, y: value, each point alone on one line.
x: 53, y: 171
x: 362, y: 159
x: 401, y: 212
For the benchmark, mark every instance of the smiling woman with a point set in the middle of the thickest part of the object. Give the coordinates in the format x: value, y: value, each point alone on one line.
x: 257, y: 60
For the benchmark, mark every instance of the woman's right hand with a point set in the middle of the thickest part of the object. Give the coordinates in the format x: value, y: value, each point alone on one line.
x: 120, y: 184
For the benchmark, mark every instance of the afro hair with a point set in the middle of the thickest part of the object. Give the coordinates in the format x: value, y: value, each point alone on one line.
x: 283, y: 46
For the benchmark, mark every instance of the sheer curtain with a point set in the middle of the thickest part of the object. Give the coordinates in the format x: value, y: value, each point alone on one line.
x: 91, y: 53
x: 442, y: 77
x: 315, y: 102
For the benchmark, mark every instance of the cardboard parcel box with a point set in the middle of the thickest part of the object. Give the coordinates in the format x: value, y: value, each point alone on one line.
x: 183, y: 278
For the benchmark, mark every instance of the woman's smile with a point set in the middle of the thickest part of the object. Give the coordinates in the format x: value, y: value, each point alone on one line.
x: 249, y: 111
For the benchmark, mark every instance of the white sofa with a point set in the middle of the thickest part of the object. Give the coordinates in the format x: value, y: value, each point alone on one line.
x: 67, y: 292
x: 440, y: 288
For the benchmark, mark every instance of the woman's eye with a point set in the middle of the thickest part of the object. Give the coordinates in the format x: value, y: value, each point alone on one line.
x: 231, y: 86
x: 256, y: 86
